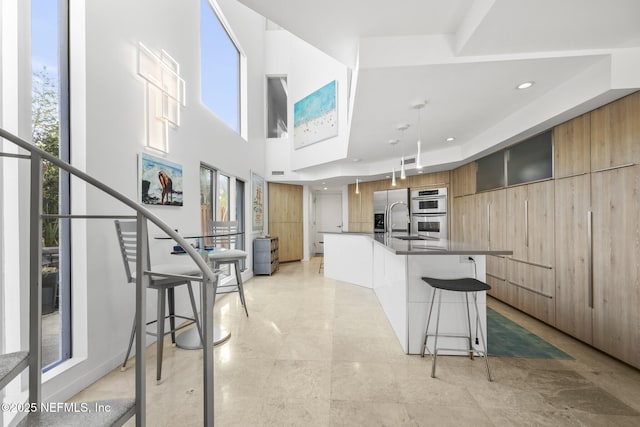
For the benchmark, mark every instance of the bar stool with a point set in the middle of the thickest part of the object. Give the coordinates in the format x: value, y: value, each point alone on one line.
x: 225, y: 233
x: 467, y: 285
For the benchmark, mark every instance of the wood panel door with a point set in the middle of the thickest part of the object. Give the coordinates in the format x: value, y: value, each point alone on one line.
x: 285, y: 219
x: 497, y: 221
x: 463, y: 220
x: 616, y: 268
x: 517, y: 219
x: 573, y: 311
x: 540, y: 223
x: 615, y: 133
x: 572, y: 147
x: 464, y: 180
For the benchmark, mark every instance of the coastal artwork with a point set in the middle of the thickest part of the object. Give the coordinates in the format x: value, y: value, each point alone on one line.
x: 160, y: 181
x: 257, y: 203
x: 315, y: 116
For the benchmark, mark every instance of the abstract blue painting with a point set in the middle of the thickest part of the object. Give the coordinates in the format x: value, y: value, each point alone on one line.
x: 315, y: 116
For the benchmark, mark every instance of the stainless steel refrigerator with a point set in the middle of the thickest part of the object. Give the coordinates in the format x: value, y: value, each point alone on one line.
x: 391, y: 211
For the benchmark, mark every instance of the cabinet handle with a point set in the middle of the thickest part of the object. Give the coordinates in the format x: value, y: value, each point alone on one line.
x: 489, y: 222
x: 590, y: 256
x: 526, y: 223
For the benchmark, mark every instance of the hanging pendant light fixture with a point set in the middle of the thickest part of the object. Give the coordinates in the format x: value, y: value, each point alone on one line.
x: 357, y: 188
x: 419, y: 106
x: 402, y: 128
x: 393, y: 142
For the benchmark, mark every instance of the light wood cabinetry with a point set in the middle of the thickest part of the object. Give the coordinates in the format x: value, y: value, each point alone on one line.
x: 572, y: 142
x: 615, y: 133
x: 463, y: 180
x: 285, y: 219
x: 463, y: 219
x: 360, y: 208
x: 616, y: 268
x: 530, y: 234
x: 573, y: 307
x: 587, y: 287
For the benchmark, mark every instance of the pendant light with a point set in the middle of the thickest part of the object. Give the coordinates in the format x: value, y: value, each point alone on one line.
x: 357, y: 188
x: 393, y: 170
x: 419, y: 106
x: 402, y: 128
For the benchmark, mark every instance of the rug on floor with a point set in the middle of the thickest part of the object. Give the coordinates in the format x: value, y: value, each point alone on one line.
x: 507, y: 338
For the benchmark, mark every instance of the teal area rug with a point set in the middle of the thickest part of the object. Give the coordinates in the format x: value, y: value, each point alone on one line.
x: 506, y: 338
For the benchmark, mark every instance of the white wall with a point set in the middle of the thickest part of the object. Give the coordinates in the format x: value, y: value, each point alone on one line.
x: 108, y: 102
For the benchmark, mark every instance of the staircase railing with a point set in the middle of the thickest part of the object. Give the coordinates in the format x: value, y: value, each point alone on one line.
x: 209, y: 279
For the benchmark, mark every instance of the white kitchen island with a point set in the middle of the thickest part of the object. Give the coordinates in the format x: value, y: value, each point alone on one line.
x: 394, y: 268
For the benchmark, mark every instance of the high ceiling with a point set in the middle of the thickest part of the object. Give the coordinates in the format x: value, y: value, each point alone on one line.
x: 464, y: 58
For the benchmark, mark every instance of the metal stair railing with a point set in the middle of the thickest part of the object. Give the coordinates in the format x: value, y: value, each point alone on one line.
x: 209, y: 279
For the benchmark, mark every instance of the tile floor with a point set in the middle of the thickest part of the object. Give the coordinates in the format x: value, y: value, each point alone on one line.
x: 318, y: 352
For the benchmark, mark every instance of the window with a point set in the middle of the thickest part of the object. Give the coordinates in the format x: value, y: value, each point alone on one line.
x: 220, y: 62
x: 277, y: 107
x: 50, y: 131
x: 222, y: 199
x: 530, y: 160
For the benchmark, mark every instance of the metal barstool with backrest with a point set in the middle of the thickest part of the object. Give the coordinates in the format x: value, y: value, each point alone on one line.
x: 467, y: 285
x: 126, y: 232
x: 224, y: 234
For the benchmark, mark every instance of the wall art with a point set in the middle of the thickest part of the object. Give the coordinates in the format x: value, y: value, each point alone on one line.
x: 160, y: 181
x: 315, y: 116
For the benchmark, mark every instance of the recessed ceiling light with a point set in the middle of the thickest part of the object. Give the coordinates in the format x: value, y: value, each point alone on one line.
x: 325, y: 188
x: 394, y: 141
x: 356, y: 160
x: 525, y: 85
x: 450, y: 139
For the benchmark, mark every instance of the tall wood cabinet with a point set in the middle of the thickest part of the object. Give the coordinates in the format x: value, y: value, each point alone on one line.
x: 573, y: 291
x: 285, y: 219
x: 530, y: 234
x: 575, y: 238
x: 615, y: 199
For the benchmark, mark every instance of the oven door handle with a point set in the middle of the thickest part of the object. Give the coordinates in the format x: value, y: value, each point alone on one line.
x: 429, y: 215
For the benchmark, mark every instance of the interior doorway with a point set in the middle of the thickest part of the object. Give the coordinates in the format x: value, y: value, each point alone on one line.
x: 328, y: 215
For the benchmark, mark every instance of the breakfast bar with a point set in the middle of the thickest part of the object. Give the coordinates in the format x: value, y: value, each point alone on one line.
x: 393, y: 266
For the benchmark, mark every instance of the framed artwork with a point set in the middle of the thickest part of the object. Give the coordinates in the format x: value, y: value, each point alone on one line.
x: 257, y: 203
x: 315, y: 116
x: 160, y: 181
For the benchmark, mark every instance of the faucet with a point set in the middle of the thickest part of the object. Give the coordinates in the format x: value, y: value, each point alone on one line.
x: 390, y: 210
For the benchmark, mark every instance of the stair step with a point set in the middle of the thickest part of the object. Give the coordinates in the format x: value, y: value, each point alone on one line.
x: 86, y: 414
x: 11, y: 364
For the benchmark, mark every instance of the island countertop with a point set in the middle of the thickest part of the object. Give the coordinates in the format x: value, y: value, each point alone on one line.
x: 404, y: 244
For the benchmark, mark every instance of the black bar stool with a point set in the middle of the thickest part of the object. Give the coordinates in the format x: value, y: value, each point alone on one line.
x: 467, y: 285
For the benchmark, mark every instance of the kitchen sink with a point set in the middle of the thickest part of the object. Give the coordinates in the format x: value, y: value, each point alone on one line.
x: 414, y: 237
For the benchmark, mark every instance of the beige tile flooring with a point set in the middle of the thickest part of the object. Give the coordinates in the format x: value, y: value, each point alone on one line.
x: 318, y: 352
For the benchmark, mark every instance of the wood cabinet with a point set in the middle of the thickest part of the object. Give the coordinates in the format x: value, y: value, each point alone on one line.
x: 572, y: 147
x: 463, y: 219
x: 285, y: 219
x: 360, y: 208
x: 615, y: 133
x: 530, y: 234
x: 573, y: 307
x: 615, y: 196
x: 463, y: 180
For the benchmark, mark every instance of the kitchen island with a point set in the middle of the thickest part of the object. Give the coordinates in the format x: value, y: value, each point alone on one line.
x: 393, y: 266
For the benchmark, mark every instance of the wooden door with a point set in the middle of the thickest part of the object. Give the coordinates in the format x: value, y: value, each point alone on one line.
x: 464, y: 180
x: 461, y: 226
x: 497, y: 221
x: 517, y: 218
x: 573, y: 311
x: 572, y: 147
x: 540, y: 223
x: 615, y: 133
x: 285, y: 219
x: 616, y: 268
x: 480, y: 224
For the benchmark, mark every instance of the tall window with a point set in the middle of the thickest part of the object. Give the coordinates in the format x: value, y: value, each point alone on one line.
x: 277, y: 122
x: 50, y: 131
x: 219, y: 193
x: 220, y: 67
